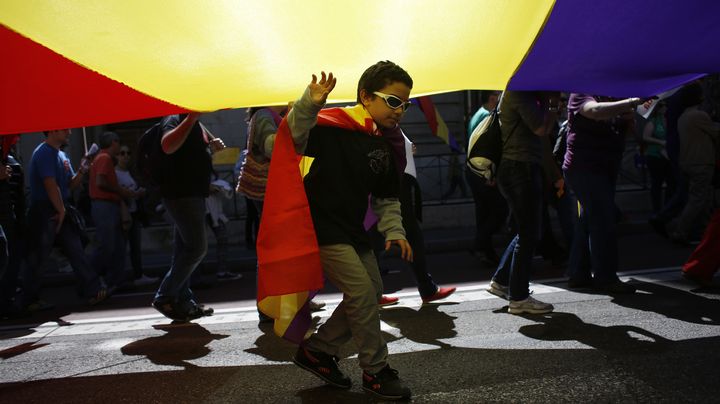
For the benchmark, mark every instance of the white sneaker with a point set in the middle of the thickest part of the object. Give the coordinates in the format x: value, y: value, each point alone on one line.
x: 498, y: 290
x: 529, y: 305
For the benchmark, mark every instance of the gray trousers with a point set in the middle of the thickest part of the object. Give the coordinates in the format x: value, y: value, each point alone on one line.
x: 700, y: 199
x: 355, y: 273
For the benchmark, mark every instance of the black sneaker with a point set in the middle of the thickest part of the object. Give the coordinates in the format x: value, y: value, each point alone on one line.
x: 172, y: 311
x: 386, y: 384
x: 169, y: 310
x: 323, y: 366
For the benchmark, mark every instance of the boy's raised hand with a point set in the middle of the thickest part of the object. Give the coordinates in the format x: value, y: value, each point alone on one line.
x: 319, y: 90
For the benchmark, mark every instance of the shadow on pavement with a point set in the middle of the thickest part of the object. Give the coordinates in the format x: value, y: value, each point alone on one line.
x: 684, y: 371
x: 618, y: 338
x: 21, y: 349
x: 183, y: 342
x: 672, y: 303
x: 329, y: 394
x: 271, y: 347
x: 413, y: 323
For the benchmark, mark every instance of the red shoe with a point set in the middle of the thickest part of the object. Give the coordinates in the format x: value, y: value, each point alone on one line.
x: 440, y: 294
x: 387, y: 301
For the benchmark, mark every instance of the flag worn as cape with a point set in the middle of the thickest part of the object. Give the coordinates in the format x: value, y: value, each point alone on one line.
x: 289, y: 268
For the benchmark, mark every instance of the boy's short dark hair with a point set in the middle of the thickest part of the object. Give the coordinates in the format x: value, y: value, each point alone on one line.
x: 381, y: 74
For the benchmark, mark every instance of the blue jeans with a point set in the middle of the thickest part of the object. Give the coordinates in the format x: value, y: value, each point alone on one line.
x: 108, y: 259
x: 189, y: 249
x: 521, y: 185
x: 41, y: 238
x: 595, y: 243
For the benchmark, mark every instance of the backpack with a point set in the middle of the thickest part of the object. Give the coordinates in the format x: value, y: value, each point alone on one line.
x: 485, y: 147
x: 151, y: 159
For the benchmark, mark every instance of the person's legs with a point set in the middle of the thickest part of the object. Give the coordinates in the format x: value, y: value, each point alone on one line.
x: 490, y: 213
x: 657, y: 177
x: 414, y: 235
x: 521, y: 185
x: 252, y: 220
x: 71, y: 245
x: 9, y: 280
x: 41, y: 237
x: 135, y: 242
x: 670, y: 181
x: 190, y: 248
x: 567, y: 213
x: 579, y: 270
x: 109, y: 256
x: 678, y: 199
x: 221, y: 246
x: 699, y: 203
x: 355, y: 274
x: 596, y: 195
x: 101, y: 257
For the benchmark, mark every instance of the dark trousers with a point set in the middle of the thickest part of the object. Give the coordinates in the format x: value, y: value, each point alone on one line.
x: 41, y: 238
x: 190, y: 247
x: 13, y: 247
x: 678, y: 198
x: 108, y: 258
x: 490, y: 210
x: 521, y: 185
x: 595, y: 239
x: 660, y: 173
x: 134, y: 238
x: 413, y: 233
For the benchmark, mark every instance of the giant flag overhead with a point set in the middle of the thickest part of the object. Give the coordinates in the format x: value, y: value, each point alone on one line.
x: 84, y: 62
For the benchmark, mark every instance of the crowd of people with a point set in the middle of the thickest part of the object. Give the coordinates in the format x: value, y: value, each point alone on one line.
x: 589, y: 135
x: 558, y: 150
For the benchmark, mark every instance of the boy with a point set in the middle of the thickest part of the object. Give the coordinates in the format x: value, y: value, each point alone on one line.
x: 354, y: 158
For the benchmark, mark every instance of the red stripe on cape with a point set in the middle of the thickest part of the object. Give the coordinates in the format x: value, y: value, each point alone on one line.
x: 287, y: 248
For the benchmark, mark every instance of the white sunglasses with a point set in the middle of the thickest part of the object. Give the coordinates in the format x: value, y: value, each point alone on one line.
x: 393, y: 102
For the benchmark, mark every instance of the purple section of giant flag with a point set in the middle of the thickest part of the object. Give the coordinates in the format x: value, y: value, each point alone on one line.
x: 622, y: 48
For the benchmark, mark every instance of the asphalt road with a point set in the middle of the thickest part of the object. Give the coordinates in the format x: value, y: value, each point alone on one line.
x: 658, y: 345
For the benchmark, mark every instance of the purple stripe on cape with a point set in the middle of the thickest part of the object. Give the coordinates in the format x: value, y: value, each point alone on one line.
x: 300, y: 324
x: 622, y: 48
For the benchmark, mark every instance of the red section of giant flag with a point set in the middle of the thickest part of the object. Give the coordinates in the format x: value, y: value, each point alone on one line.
x: 42, y: 90
x: 288, y: 253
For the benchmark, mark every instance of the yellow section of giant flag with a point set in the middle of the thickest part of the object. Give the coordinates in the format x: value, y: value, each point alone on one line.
x: 207, y: 55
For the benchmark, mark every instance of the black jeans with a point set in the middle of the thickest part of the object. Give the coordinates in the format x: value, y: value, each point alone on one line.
x: 414, y: 235
x: 521, y: 184
x: 660, y: 173
x: 490, y: 210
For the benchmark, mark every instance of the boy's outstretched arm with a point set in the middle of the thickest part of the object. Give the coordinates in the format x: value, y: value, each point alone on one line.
x: 390, y: 225
x: 303, y: 115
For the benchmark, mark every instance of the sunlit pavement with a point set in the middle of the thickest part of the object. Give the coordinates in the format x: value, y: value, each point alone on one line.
x: 657, y: 345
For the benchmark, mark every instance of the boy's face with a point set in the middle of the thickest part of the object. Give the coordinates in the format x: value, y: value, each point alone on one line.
x: 383, y: 115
